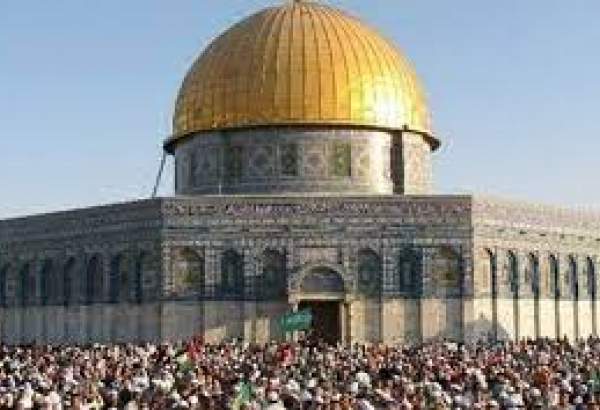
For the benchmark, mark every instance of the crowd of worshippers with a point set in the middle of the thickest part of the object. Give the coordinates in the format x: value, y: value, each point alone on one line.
x: 540, y: 374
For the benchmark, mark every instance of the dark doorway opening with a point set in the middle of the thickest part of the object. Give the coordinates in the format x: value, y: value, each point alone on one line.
x: 326, y: 320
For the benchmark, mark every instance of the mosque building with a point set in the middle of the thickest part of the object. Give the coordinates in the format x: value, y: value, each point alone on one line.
x: 302, y: 144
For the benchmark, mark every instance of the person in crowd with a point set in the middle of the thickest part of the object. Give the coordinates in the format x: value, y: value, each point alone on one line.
x: 540, y: 374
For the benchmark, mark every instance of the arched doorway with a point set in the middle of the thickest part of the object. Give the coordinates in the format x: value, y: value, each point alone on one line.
x: 322, y: 291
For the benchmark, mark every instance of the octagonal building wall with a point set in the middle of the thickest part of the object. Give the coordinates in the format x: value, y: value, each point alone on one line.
x: 535, y: 270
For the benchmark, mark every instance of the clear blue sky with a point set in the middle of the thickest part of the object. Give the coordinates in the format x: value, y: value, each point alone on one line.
x: 87, y: 91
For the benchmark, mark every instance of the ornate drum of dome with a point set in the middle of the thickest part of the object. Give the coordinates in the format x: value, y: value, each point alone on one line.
x: 301, y: 98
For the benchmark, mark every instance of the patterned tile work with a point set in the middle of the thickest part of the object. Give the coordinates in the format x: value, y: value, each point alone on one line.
x: 340, y: 159
x: 415, y: 165
x: 289, y: 159
x: 471, y: 271
x: 285, y: 160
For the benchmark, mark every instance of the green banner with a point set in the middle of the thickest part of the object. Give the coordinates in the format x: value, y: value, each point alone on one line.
x: 293, y: 321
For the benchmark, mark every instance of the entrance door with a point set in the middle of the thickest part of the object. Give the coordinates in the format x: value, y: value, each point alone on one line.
x: 326, y: 320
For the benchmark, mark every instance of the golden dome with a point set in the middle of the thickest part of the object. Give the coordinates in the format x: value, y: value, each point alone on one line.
x: 301, y: 63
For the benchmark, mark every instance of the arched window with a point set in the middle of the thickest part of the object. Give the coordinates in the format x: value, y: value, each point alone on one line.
x: 554, y: 274
x: 485, y: 279
x: 591, y: 278
x: 119, y: 279
x: 57, y: 294
x: 189, y: 273
x: 513, y: 272
x: 446, y: 268
x: 322, y: 279
x: 369, y: 271
x: 48, y: 285
x: 573, y: 280
x: 95, y: 280
x: 142, y: 269
x: 532, y: 274
x: 408, y: 272
x: 4, y: 277
x: 232, y: 274
x: 69, y: 281
x: 489, y: 272
x: 273, y: 273
x: 27, y: 285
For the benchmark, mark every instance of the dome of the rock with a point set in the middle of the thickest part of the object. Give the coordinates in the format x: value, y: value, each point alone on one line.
x: 300, y: 63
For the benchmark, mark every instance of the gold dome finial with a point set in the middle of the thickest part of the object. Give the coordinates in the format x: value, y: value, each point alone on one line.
x: 315, y: 67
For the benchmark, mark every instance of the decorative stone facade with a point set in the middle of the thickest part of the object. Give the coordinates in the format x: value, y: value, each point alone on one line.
x: 412, y: 169
x: 536, y: 269
x: 303, y: 160
x: 401, y: 268
x: 335, y: 210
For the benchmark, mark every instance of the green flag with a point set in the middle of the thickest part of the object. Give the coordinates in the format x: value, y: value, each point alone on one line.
x: 293, y: 321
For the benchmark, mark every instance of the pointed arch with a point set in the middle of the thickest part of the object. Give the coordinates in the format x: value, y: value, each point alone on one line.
x: 532, y: 281
x: 484, y: 277
x: 513, y: 272
x: 189, y: 273
x: 532, y: 274
x: 554, y: 274
x: 69, y: 281
x: 555, y: 290
x: 590, y: 272
x: 274, y: 273
x: 119, y: 279
x: 490, y: 271
x: 322, y: 278
x: 26, y: 287
x: 513, y: 278
x: 447, y: 268
x: 57, y: 294
x: 369, y: 271
x: 47, y: 280
x: 95, y: 279
x: 143, y: 270
x: 571, y: 277
x: 232, y: 274
x: 5, y: 272
x: 407, y: 275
